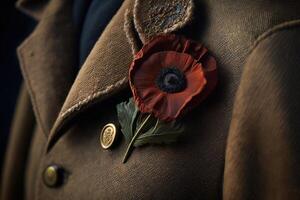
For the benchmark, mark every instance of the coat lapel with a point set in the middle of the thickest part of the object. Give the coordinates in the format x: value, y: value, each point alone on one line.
x: 103, y: 74
x: 48, y: 59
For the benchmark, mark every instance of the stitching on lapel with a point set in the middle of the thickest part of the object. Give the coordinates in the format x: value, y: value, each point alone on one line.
x: 93, y: 96
x: 131, y: 34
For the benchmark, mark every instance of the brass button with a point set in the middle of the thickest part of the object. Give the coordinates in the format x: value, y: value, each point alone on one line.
x: 108, y: 135
x: 53, y: 176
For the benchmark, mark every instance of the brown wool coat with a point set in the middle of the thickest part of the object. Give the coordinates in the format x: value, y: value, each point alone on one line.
x: 243, y: 142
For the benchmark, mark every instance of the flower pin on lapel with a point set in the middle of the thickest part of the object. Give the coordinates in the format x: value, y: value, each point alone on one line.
x: 168, y: 76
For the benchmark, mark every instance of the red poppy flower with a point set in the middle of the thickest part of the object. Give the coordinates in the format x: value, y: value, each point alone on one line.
x: 171, y: 74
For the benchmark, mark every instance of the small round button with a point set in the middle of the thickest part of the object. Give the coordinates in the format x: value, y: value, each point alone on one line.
x: 108, y: 135
x: 53, y: 176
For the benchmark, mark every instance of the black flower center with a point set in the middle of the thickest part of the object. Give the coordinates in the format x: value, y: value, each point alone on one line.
x: 171, y: 80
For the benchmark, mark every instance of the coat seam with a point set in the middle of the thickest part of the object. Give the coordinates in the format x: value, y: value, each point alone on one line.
x: 271, y: 31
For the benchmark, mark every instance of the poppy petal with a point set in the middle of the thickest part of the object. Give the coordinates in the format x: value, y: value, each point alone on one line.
x: 157, y: 59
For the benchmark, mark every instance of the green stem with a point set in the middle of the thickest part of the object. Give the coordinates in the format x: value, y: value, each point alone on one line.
x: 137, y: 133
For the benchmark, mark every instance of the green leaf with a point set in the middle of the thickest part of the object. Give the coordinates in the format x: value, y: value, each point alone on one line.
x: 161, y: 133
x: 127, y: 113
x: 143, y: 128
